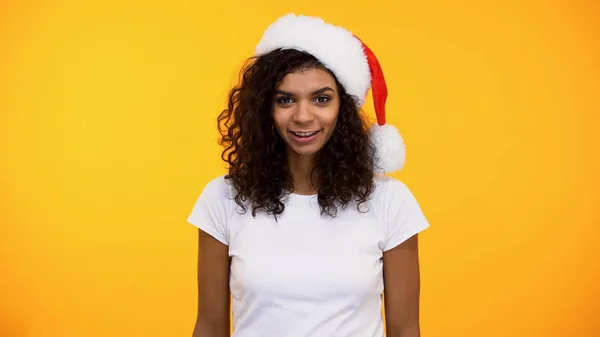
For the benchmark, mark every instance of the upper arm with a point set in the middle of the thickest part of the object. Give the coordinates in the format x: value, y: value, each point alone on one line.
x: 213, y: 287
x: 402, y: 288
x: 211, y: 215
x: 404, y: 219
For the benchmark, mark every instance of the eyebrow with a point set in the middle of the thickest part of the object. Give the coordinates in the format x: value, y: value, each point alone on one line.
x: 317, y: 92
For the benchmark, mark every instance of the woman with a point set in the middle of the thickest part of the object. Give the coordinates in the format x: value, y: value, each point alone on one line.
x: 304, y: 230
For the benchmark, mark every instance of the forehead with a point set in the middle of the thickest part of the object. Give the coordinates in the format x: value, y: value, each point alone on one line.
x: 306, y: 80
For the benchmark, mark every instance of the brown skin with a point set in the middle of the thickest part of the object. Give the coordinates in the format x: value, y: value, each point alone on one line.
x: 307, y: 101
x: 401, y: 277
x: 213, y: 288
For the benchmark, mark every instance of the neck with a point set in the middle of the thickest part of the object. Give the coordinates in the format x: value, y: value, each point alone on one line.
x: 301, y: 169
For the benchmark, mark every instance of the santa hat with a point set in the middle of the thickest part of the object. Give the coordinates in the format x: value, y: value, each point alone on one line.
x: 354, y: 65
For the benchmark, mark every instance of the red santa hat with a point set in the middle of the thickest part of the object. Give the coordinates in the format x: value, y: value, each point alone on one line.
x: 354, y: 65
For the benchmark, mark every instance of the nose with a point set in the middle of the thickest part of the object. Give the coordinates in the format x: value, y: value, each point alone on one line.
x: 303, y: 113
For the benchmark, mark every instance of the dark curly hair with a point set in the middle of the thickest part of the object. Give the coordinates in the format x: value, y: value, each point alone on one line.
x: 256, y: 154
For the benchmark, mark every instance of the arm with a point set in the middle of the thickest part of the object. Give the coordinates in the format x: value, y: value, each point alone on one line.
x: 402, y: 287
x: 213, y: 288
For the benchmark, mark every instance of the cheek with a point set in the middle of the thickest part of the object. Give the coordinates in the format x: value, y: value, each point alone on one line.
x: 330, y: 119
x: 278, y: 119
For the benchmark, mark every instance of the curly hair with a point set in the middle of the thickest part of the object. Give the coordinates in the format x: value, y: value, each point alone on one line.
x: 256, y: 153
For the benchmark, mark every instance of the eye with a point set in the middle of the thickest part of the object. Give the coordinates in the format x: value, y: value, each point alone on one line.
x: 322, y: 99
x: 284, y: 100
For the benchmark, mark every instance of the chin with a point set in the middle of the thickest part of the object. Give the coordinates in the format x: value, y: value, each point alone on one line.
x: 305, y: 151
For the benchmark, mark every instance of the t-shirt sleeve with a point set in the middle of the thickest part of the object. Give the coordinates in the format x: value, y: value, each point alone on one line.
x: 210, y: 212
x: 403, y: 215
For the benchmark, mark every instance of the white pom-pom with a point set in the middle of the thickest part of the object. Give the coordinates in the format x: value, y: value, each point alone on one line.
x: 390, y: 153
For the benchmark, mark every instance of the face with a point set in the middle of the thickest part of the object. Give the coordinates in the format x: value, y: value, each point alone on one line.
x: 305, y: 110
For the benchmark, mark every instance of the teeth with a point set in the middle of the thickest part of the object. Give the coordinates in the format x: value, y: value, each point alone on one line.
x: 304, y: 134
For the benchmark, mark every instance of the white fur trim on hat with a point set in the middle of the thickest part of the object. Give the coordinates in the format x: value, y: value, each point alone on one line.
x: 390, y: 152
x: 334, y: 46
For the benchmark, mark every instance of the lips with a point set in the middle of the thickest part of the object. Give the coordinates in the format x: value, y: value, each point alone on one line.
x: 303, y: 134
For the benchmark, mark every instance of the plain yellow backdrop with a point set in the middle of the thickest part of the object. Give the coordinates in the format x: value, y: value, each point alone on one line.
x: 108, y: 134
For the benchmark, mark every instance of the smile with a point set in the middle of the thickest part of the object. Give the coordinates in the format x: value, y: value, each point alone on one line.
x: 304, y: 134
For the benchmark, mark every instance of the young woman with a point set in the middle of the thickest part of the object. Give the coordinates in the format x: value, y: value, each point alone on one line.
x: 304, y: 231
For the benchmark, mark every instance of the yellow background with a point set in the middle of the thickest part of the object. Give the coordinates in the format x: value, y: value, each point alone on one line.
x: 107, y: 136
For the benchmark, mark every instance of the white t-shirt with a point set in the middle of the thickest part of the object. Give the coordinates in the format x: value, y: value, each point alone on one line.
x: 308, y: 275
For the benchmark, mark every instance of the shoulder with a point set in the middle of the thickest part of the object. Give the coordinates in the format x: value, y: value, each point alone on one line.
x: 387, y: 188
x: 213, y: 209
x: 391, y: 195
x: 218, y: 194
x: 401, y: 212
x: 218, y: 188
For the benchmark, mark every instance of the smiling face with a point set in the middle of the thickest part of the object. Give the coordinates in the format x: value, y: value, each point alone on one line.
x: 305, y: 110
